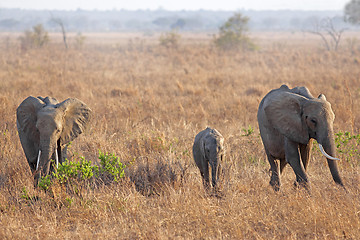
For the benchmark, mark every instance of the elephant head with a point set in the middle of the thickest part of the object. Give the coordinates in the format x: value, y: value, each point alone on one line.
x: 300, y: 118
x: 46, y: 126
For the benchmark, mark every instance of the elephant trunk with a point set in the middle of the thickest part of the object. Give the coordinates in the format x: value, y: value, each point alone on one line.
x: 45, y: 153
x: 329, y: 147
x: 214, y: 171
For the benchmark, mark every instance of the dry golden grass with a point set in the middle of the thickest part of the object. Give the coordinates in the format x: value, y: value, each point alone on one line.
x: 149, y: 102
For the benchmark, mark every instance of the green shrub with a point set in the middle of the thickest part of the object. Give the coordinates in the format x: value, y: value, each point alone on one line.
x: 36, y: 38
x: 348, y: 146
x: 233, y: 35
x: 45, y: 182
x: 170, y: 40
x: 82, y: 174
x: 248, y: 131
x: 82, y: 170
x: 111, y: 166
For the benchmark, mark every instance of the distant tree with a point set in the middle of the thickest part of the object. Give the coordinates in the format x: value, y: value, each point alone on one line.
x: 38, y: 37
x: 352, y: 12
x: 79, y: 40
x: 163, y: 22
x: 179, y: 24
x: 61, y: 24
x: 170, y: 40
x: 233, y: 34
x: 270, y: 23
x: 295, y: 22
x: 330, y: 35
x: 8, y: 23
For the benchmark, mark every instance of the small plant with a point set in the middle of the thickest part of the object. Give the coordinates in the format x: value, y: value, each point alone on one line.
x: 36, y: 38
x: 233, y: 34
x: 45, y: 182
x: 170, y: 40
x: 24, y: 194
x: 27, y: 197
x: 111, y: 166
x: 69, y: 201
x: 248, y: 131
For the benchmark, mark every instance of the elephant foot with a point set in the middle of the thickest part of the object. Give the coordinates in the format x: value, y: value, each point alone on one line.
x: 302, y: 185
x: 275, y: 183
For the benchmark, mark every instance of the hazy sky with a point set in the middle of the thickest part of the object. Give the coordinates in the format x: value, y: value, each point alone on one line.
x: 231, y: 5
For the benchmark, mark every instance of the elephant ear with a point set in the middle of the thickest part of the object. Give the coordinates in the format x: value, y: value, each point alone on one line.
x: 76, y: 117
x: 284, y: 112
x: 26, y: 117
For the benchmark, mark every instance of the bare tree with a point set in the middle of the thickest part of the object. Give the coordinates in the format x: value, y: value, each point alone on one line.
x: 61, y: 24
x: 330, y: 35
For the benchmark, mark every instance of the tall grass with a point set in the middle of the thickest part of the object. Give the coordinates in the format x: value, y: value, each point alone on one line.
x: 149, y: 102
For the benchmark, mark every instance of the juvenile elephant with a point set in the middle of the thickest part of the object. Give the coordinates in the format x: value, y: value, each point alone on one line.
x: 208, y: 149
x: 288, y: 120
x: 45, y: 128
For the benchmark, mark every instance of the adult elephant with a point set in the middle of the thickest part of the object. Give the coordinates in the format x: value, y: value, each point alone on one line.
x: 288, y: 120
x: 45, y: 128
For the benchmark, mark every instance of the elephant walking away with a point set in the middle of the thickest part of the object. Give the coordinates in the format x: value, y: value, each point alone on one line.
x: 289, y: 119
x: 45, y: 128
x: 208, y: 149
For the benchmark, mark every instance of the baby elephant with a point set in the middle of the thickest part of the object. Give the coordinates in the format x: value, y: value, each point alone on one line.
x: 208, y: 149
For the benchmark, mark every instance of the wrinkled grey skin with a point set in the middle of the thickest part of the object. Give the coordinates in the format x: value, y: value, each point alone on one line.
x: 47, y: 125
x: 208, y: 149
x: 288, y: 120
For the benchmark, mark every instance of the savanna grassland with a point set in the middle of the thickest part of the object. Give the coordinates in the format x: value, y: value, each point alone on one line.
x: 148, y: 103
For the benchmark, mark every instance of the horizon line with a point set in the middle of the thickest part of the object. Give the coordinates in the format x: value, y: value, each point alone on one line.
x: 168, y: 10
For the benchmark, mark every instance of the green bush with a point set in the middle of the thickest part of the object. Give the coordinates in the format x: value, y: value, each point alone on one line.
x: 348, y: 146
x: 45, y: 182
x: 36, y: 38
x: 233, y: 35
x: 82, y: 170
x: 170, y: 40
x: 80, y: 174
x: 111, y: 167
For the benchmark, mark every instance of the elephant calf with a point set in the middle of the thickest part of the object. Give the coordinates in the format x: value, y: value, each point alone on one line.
x: 45, y: 128
x: 288, y: 121
x: 208, y: 149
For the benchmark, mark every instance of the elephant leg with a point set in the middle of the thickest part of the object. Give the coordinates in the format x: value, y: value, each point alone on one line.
x: 219, y: 172
x: 305, y: 152
x: 214, y: 174
x: 275, y: 172
x: 64, y: 155
x: 293, y: 158
x: 283, y: 163
x: 205, y: 175
x: 203, y: 166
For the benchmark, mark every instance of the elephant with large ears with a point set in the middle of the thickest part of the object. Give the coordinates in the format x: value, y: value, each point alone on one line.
x: 208, y: 149
x: 289, y: 119
x: 46, y: 127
